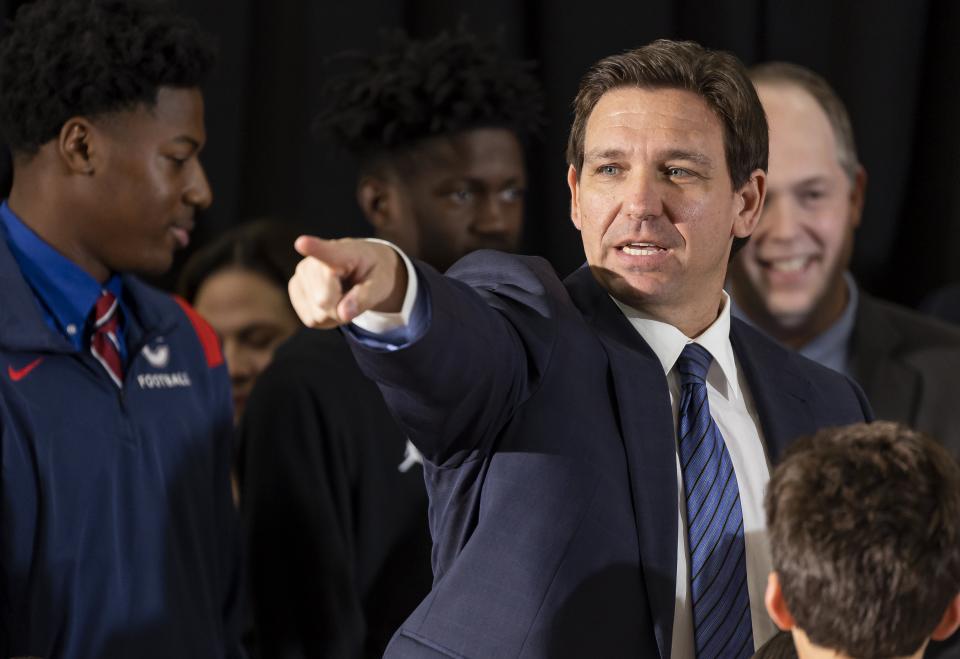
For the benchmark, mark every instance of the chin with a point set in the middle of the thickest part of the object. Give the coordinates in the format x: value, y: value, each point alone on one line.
x: 790, y: 316
x: 630, y: 289
x: 152, y: 263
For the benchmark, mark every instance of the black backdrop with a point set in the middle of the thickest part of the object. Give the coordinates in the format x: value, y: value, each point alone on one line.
x: 894, y: 62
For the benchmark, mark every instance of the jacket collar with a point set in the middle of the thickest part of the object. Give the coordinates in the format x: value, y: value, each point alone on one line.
x: 22, y: 327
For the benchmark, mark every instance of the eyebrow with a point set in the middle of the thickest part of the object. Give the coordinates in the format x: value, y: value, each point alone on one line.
x: 676, y: 154
x: 816, y: 179
x: 692, y: 156
x: 603, y: 154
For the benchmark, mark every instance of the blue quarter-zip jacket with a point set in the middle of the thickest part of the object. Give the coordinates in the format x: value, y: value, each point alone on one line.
x: 118, y: 537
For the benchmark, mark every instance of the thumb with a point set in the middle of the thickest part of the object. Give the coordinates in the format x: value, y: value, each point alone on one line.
x: 358, y: 299
x: 383, y: 289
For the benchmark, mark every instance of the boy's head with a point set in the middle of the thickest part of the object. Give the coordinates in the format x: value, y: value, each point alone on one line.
x: 864, y: 525
x: 101, y: 107
x: 437, y: 127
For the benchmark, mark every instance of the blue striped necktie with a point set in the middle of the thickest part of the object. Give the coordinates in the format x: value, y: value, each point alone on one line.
x: 718, y: 573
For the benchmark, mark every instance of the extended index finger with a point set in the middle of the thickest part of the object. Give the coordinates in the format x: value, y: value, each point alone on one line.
x: 336, y: 254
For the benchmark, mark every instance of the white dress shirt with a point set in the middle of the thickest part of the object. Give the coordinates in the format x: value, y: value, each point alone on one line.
x: 732, y: 408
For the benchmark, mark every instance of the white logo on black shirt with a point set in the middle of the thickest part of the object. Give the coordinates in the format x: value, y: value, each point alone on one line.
x: 411, y: 456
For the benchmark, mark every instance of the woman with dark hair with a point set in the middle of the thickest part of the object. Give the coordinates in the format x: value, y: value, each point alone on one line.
x: 239, y: 285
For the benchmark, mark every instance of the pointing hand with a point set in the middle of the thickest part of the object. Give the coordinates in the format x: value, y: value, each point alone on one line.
x: 339, y: 279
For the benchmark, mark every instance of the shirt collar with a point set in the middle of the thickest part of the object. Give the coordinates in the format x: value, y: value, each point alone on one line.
x: 831, y: 347
x: 66, y: 292
x: 667, y: 342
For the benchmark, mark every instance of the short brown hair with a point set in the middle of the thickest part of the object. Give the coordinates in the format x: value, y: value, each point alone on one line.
x: 864, y: 525
x: 785, y: 73
x: 717, y: 77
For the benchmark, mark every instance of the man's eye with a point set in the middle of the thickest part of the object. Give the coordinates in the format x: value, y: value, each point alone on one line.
x: 811, y: 196
x: 177, y: 160
x: 512, y: 194
x: 678, y: 172
x: 462, y: 196
x: 608, y: 170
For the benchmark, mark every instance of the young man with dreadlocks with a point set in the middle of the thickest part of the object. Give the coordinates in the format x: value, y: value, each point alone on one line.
x: 336, y: 510
x: 118, y: 537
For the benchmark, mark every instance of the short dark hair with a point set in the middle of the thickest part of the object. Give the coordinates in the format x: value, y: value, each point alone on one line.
x: 786, y: 73
x: 263, y: 246
x: 864, y: 526
x: 64, y: 58
x: 380, y: 104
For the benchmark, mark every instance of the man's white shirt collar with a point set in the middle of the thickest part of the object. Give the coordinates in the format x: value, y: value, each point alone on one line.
x: 667, y: 342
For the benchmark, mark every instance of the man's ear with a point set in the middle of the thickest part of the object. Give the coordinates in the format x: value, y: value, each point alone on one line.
x: 777, y: 605
x: 749, y: 204
x: 378, y: 201
x: 949, y: 622
x: 573, y: 182
x: 858, y: 193
x: 77, y: 146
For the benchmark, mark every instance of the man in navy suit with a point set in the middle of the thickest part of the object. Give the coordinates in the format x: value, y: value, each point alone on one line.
x: 595, y: 449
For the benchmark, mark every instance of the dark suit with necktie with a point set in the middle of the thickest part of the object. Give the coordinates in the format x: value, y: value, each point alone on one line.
x: 548, y: 432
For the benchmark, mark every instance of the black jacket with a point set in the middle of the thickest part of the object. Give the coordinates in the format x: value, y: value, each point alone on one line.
x: 336, y: 535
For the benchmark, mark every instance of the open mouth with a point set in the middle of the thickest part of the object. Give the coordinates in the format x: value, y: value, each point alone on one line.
x: 789, y: 265
x: 181, y: 235
x: 642, y: 249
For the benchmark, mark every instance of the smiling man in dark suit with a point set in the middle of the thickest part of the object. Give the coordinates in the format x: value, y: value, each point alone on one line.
x: 595, y: 448
x: 792, y: 280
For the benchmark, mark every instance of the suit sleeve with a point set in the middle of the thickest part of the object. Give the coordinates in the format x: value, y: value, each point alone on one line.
x: 490, y: 337
x: 302, y: 577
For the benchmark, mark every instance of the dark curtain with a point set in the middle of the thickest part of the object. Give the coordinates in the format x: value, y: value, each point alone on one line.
x: 893, y: 62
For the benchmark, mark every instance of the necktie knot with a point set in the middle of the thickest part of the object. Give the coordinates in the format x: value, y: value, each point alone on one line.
x: 693, y: 364
x: 105, y: 309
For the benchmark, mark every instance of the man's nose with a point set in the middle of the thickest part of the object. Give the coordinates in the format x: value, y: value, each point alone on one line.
x: 643, y: 196
x: 492, y: 218
x: 198, y: 193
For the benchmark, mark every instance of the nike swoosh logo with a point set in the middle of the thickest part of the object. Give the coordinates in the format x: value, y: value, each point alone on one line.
x: 18, y: 374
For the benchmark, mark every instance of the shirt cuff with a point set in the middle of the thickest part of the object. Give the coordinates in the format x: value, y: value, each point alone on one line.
x: 378, y: 322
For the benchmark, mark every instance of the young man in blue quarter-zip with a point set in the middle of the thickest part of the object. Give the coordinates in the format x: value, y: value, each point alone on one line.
x: 117, y: 533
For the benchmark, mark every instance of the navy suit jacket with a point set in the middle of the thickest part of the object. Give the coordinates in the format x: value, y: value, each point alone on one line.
x: 547, y: 430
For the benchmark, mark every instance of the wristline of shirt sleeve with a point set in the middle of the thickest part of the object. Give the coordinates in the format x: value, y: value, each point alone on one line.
x: 378, y: 322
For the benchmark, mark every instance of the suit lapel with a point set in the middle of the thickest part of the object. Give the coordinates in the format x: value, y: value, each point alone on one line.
x: 781, y: 394
x: 647, y: 431
x: 891, y: 386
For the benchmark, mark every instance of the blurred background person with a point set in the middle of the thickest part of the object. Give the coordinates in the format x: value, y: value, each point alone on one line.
x: 238, y: 283
x: 864, y: 525
x: 333, y: 496
x: 792, y: 280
